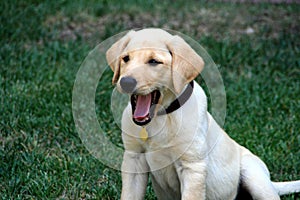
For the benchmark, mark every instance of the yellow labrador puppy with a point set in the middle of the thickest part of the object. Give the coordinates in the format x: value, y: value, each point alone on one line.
x: 168, y: 133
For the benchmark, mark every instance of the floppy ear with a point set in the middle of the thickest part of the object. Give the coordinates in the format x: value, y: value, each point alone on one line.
x: 186, y: 63
x: 113, y: 55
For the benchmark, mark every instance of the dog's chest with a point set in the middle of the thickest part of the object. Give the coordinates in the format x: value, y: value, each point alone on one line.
x: 166, y: 183
x: 163, y: 162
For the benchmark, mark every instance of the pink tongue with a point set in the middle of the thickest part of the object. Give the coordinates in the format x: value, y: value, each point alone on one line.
x: 142, y: 106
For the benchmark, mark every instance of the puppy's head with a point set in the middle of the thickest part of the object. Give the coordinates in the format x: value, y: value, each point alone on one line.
x: 151, y: 64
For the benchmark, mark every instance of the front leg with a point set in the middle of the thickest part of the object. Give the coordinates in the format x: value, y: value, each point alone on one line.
x: 192, y: 177
x: 134, y: 184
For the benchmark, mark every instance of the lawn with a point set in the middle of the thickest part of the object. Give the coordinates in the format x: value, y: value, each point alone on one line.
x: 255, y: 46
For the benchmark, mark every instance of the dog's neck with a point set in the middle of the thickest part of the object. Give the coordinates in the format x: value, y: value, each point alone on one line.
x: 172, y: 103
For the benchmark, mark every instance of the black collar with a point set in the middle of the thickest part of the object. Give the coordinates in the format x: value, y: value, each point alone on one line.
x: 178, y: 102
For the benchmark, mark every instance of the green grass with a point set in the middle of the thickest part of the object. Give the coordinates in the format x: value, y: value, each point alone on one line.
x: 44, y: 42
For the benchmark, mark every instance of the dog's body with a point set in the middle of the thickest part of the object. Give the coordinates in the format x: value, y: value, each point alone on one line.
x: 187, y: 154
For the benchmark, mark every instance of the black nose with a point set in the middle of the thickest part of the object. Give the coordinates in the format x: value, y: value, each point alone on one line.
x: 128, y: 84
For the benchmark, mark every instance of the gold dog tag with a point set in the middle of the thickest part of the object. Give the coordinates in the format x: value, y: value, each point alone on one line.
x: 144, y: 134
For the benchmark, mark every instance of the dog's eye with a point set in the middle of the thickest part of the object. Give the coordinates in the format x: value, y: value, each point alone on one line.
x: 154, y: 62
x: 125, y: 59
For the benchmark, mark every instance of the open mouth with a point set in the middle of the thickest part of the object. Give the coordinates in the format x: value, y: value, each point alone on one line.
x: 143, y: 107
